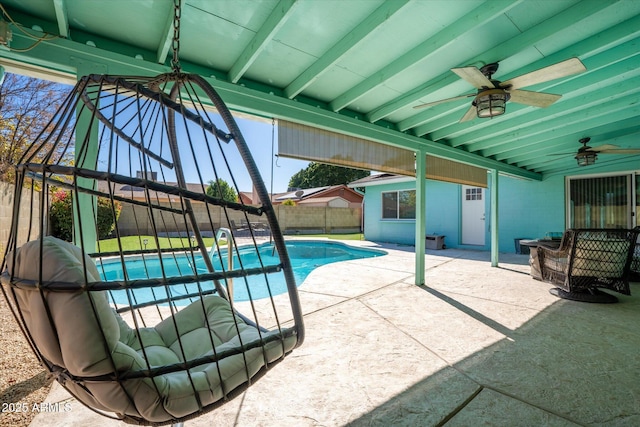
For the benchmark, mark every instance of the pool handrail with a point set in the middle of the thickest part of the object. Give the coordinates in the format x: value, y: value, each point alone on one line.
x: 216, y: 246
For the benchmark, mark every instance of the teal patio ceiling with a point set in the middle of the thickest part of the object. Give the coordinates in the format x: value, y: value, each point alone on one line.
x: 361, y: 66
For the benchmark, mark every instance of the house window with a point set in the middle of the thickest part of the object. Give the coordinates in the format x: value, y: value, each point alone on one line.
x: 637, y: 212
x: 473, y: 193
x: 399, y: 204
x: 600, y: 201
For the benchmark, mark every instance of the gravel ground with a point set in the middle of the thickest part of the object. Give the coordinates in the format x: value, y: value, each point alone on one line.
x: 23, y: 382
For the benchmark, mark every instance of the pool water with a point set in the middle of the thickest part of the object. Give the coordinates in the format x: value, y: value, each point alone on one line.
x: 305, y: 256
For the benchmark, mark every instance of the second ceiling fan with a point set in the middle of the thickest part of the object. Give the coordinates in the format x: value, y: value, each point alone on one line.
x: 587, y: 155
x: 492, y: 95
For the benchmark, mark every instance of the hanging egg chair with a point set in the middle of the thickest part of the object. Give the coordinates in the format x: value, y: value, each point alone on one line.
x: 191, y: 297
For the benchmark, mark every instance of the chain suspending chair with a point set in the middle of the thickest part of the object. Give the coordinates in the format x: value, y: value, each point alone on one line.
x: 181, y: 312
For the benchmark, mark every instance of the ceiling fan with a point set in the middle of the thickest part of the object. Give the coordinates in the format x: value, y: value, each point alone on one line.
x: 492, y: 95
x: 587, y: 155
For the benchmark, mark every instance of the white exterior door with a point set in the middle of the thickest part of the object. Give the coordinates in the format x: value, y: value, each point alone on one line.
x: 473, y: 215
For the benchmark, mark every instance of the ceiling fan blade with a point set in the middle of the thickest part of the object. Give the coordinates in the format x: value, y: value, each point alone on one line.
x: 622, y: 151
x: 604, y: 147
x: 473, y: 76
x: 614, y: 149
x: 535, y: 99
x: 471, y: 114
x: 562, y: 154
x: 552, y: 72
x: 442, y: 101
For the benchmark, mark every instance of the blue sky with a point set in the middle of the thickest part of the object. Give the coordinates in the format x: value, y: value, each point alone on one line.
x: 257, y: 134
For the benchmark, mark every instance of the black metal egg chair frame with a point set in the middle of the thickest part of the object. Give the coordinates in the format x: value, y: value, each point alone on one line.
x: 183, y: 311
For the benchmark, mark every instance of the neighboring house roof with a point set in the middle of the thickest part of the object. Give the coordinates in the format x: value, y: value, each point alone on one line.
x: 319, y: 195
x: 133, y: 191
x: 300, y: 194
x: 331, y: 191
x: 246, y: 197
x: 381, y: 178
x: 321, y: 200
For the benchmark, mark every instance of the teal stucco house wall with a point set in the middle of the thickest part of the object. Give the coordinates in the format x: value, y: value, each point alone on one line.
x: 526, y: 208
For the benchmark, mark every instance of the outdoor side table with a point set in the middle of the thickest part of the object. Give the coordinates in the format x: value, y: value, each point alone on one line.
x: 536, y: 272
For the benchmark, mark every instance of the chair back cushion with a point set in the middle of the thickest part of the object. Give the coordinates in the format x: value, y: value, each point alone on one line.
x: 76, y: 330
x: 599, y: 256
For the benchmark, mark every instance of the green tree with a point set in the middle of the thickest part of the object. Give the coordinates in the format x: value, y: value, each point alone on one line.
x: 222, y: 190
x: 61, y: 216
x: 321, y: 175
x: 26, y: 108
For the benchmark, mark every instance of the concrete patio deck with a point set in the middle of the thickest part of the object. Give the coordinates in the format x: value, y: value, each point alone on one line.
x: 476, y: 346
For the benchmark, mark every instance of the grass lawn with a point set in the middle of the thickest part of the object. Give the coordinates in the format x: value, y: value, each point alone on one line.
x: 134, y: 243
x: 350, y: 236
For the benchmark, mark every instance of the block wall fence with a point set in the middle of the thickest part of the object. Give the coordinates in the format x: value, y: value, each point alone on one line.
x: 7, y: 195
x: 293, y: 220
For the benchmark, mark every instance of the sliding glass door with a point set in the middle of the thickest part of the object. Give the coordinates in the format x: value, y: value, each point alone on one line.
x: 602, y: 201
x: 636, y: 221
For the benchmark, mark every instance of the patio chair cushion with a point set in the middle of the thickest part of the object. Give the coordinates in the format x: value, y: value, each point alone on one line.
x: 73, y: 322
x: 604, y: 258
x: 88, y: 338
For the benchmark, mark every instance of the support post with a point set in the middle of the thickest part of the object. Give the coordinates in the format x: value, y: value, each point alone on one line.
x: 421, y: 207
x: 86, y: 156
x: 495, y: 246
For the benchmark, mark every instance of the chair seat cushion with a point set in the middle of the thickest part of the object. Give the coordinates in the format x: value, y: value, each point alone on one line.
x: 603, y: 258
x: 85, y: 336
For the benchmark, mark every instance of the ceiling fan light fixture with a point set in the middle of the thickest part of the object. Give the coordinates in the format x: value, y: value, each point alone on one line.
x: 491, y: 103
x: 586, y: 158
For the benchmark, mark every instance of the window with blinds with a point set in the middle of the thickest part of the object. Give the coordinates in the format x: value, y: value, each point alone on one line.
x: 637, y: 213
x: 600, y: 202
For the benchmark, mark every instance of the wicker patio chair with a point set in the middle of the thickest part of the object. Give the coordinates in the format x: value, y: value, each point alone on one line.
x: 588, y: 259
x: 635, y: 262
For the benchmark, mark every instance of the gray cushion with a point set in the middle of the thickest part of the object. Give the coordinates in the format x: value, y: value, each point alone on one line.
x: 90, y: 339
x: 72, y: 312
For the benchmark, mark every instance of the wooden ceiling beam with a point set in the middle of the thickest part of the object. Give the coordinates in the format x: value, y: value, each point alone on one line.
x: 263, y: 36
x: 348, y: 42
x: 510, y: 47
x: 478, y: 16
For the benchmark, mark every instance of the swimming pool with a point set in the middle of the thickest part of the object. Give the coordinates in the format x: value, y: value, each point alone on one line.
x: 305, y: 256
